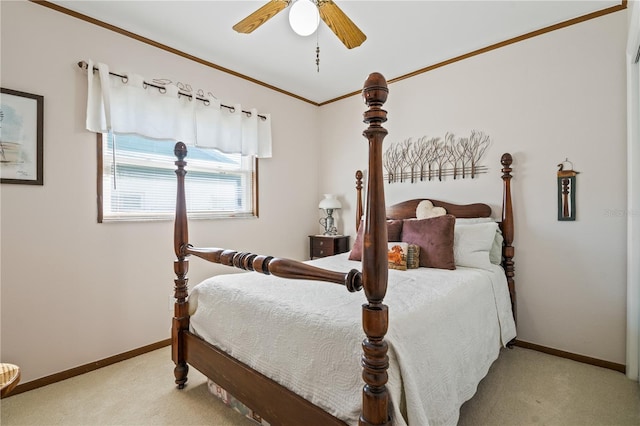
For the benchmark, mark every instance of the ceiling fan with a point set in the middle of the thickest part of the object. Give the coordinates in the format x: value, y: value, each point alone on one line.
x: 348, y: 33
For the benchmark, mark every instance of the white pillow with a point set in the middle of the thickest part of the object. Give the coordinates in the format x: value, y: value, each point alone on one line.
x: 495, y: 254
x: 472, y: 220
x: 426, y: 210
x: 472, y: 244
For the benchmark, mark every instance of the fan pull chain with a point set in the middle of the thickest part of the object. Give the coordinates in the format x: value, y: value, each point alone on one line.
x: 317, y: 51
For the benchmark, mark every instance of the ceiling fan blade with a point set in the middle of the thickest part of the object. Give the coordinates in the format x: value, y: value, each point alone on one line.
x: 260, y: 16
x: 343, y: 27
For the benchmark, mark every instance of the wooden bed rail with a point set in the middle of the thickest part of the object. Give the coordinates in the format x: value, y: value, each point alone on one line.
x: 284, y: 268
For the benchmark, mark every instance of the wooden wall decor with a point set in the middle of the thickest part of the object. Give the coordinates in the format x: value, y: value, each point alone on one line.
x: 566, y: 191
x: 431, y: 158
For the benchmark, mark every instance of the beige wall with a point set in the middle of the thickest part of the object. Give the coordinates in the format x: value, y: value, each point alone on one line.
x: 74, y: 291
x: 555, y: 96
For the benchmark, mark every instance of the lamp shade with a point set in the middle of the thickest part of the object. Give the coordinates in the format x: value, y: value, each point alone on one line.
x: 329, y: 202
x: 304, y: 17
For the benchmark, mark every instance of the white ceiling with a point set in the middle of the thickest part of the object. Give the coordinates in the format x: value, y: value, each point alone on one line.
x: 402, y: 36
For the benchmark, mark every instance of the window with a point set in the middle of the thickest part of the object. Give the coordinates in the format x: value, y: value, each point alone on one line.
x: 137, y: 181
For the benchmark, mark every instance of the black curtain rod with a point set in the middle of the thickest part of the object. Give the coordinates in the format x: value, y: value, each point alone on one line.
x: 84, y: 65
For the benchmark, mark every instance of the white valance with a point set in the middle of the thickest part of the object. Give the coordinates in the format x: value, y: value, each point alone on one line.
x: 127, y: 104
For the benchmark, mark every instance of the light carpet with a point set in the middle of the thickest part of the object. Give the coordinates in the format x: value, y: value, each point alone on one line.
x: 523, y: 387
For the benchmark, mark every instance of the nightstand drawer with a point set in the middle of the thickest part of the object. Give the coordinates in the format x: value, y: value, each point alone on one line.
x: 323, y: 245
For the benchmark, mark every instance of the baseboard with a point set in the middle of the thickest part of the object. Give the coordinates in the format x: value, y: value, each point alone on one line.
x: 575, y: 357
x: 67, y: 374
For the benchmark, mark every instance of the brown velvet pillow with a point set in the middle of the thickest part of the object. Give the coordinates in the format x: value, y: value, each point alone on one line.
x: 435, y: 238
x: 394, y: 233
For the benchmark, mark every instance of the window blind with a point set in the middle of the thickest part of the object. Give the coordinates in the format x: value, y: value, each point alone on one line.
x: 139, y: 181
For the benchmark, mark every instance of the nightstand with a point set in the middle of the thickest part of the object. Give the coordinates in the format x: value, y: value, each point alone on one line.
x: 327, y: 245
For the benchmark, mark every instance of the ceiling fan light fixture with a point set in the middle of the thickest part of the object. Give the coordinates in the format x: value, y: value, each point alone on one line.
x: 304, y: 17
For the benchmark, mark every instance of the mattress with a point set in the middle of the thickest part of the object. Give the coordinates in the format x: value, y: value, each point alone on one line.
x: 446, y: 327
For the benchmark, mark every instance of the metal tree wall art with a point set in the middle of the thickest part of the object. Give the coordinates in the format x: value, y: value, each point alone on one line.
x: 430, y: 158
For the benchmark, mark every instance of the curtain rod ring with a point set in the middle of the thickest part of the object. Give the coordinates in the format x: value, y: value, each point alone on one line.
x: 232, y: 109
x: 125, y: 79
x: 206, y: 102
x: 145, y: 84
x: 162, y: 90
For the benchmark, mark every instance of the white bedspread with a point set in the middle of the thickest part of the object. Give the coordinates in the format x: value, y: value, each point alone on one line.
x: 445, y: 330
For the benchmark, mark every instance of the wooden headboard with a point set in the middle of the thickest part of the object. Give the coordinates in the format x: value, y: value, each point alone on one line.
x: 407, y: 209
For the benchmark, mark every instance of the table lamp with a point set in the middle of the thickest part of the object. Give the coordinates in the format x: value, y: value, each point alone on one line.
x: 329, y: 203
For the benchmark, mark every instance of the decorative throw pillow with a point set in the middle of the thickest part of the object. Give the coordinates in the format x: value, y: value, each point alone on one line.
x: 397, y: 255
x: 394, y: 231
x: 426, y: 210
x: 413, y: 256
x: 434, y: 236
x: 472, y: 244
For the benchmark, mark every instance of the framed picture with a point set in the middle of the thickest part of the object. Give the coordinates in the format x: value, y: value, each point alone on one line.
x: 21, y: 123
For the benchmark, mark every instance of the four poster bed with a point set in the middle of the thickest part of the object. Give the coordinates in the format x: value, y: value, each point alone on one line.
x: 292, y: 349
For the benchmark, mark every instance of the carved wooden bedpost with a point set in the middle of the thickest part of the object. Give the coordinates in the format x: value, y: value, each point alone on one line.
x: 375, y: 317
x: 508, y: 228
x: 358, y: 198
x: 181, y: 267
